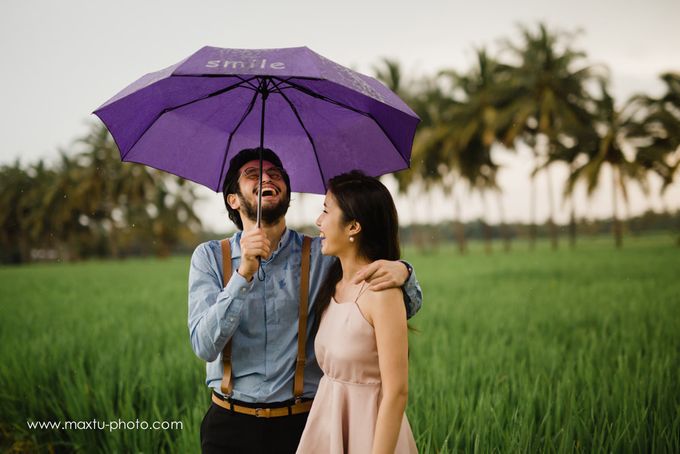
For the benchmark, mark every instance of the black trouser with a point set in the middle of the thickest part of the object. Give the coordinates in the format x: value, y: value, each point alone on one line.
x: 223, y: 431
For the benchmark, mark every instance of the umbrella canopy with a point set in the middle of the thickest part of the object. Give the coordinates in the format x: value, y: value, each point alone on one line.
x: 320, y: 118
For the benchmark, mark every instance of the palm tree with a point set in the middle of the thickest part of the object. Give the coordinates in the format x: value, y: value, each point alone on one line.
x: 549, y: 91
x: 434, y: 148
x: 659, y: 129
x: 475, y: 121
x: 660, y: 126
x: 14, y: 242
x: 579, y: 142
x: 89, y: 203
x: 61, y: 205
x: 391, y: 74
x: 38, y: 227
x: 610, y: 136
x: 100, y: 181
x: 131, y: 203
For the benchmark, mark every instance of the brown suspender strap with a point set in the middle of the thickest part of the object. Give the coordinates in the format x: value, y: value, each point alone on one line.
x: 298, y: 385
x: 227, y: 386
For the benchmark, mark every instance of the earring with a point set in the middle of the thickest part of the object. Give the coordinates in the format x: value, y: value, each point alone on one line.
x: 351, y: 238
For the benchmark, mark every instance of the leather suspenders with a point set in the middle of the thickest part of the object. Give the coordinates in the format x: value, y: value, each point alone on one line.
x: 227, y: 384
x: 302, y: 320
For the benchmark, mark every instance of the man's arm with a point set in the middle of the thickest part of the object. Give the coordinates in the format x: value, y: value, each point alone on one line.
x: 384, y: 274
x: 214, y: 310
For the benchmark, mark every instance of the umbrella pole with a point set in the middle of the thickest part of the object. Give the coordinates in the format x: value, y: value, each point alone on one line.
x: 264, y: 92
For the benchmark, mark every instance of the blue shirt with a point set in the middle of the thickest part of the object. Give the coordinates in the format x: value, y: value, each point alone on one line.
x: 260, y: 316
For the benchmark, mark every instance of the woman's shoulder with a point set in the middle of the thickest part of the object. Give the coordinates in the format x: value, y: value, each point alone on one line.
x: 374, y: 303
x: 382, y: 296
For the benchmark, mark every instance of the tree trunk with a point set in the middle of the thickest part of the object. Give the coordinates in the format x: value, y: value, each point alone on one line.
x: 670, y: 211
x: 572, y: 217
x: 551, y: 211
x: 572, y: 224
x: 459, y: 227
x: 505, y: 234
x: 24, y: 250
x: 488, y: 246
x: 416, y: 229
x: 434, y: 233
x: 616, y: 225
x: 112, y: 239
x: 625, y: 220
x: 532, y: 213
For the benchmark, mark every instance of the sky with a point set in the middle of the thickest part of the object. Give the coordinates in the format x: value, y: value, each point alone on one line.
x: 61, y: 60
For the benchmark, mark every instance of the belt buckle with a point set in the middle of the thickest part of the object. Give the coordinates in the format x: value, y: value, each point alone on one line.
x: 262, y: 412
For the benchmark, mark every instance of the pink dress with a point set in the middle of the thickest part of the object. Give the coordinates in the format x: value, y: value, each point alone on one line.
x: 345, y: 410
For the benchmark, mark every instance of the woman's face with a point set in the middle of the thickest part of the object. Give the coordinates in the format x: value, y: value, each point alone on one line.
x: 333, y: 231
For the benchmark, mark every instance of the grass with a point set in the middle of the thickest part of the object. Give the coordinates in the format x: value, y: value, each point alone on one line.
x: 543, y: 351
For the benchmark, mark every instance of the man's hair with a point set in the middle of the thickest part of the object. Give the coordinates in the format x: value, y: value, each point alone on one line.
x: 231, y: 185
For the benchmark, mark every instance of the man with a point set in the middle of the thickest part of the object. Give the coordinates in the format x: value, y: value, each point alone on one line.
x: 255, y: 313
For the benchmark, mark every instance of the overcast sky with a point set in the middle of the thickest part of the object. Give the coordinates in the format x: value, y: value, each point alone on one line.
x: 62, y: 59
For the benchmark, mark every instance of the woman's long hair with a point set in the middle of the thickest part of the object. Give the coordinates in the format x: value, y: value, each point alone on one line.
x: 367, y: 201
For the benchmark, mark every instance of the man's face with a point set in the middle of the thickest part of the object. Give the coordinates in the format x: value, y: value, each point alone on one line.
x: 275, y: 196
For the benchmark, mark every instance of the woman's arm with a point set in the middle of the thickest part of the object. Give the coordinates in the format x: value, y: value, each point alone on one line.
x: 391, y: 334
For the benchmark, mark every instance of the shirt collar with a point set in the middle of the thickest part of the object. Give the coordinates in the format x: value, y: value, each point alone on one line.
x: 283, y: 243
x: 236, y: 245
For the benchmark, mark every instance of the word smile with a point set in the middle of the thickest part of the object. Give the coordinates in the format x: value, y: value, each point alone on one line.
x: 239, y: 64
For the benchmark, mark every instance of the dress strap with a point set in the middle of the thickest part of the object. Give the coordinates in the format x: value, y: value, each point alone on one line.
x: 361, y: 291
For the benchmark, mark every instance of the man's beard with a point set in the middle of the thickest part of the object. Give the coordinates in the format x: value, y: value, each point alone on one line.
x: 270, y: 214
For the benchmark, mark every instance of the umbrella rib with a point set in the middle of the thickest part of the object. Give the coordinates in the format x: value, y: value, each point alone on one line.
x: 231, y: 135
x: 309, y: 136
x: 276, y: 86
x: 170, y: 109
x: 254, y: 87
x: 313, y: 94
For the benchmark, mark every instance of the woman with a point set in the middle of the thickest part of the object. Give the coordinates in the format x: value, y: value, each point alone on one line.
x: 362, y: 342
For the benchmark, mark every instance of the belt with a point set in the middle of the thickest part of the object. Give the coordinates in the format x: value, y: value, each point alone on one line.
x: 288, y: 410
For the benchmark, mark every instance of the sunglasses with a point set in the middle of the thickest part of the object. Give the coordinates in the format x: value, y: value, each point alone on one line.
x: 253, y: 173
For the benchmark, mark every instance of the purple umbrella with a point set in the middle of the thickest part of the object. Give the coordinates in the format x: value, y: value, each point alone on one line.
x: 321, y: 118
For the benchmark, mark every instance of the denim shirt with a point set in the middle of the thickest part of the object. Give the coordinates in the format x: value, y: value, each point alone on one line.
x: 260, y: 316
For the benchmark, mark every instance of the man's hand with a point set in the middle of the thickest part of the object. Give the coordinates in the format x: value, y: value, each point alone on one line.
x: 382, y: 274
x: 254, y: 244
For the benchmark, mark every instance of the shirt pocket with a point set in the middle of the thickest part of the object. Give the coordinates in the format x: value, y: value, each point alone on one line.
x: 283, y: 297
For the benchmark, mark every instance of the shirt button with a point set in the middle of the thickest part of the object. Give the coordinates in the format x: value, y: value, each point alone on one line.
x: 243, y: 289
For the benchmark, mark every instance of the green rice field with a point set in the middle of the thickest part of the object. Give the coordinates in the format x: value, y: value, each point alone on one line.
x: 519, y: 352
